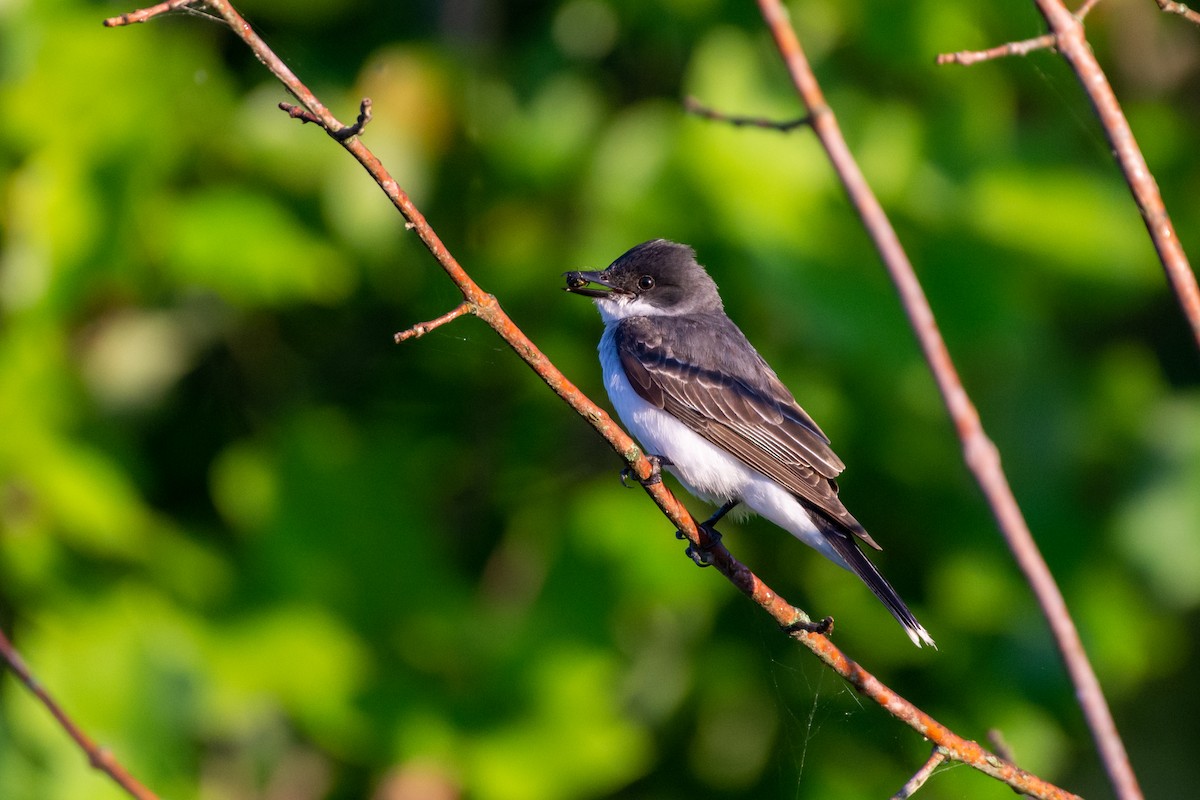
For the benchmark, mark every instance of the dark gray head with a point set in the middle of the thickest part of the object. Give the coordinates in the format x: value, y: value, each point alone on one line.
x: 654, y: 278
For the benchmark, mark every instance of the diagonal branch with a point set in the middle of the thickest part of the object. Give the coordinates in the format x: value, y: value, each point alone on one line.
x: 483, y: 305
x: 1073, y: 46
x: 98, y: 757
x: 1067, y: 37
x: 980, y: 453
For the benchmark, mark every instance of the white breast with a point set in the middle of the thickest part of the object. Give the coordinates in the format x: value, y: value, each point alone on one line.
x: 705, y: 469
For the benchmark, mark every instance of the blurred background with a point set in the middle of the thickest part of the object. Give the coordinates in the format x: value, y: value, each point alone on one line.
x: 260, y: 551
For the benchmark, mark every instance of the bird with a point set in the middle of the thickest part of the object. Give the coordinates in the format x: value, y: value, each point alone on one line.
x: 700, y: 399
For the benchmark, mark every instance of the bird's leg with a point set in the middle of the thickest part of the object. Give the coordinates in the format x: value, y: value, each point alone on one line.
x: 656, y: 465
x: 702, y: 556
x: 721, y: 512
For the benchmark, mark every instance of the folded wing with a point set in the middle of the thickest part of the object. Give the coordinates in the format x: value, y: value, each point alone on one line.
x: 742, y: 408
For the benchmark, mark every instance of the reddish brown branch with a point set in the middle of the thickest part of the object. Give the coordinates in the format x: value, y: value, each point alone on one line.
x: 792, y: 619
x: 485, y: 306
x: 422, y: 328
x: 98, y: 757
x: 1180, y: 9
x: 979, y: 452
x: 1073, y: 46
x: 957, y: 748
x: 1066, y: 31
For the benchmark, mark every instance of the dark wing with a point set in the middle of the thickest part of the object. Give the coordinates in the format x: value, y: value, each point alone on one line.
x: 741, y: 407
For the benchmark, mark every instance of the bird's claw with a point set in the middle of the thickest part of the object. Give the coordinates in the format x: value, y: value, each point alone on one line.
x: 823, y: 627
x: 656, y: 465
x: 702, y: 556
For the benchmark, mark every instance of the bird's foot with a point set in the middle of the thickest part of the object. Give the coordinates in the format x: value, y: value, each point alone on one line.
x: 656, y: 465
x: 702, y: 556
x: 823, y: 627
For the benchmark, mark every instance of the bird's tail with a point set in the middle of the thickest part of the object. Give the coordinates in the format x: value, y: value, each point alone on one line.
x: 845, y: 546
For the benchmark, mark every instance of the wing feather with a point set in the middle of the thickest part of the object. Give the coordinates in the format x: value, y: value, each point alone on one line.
x: 742, y: 408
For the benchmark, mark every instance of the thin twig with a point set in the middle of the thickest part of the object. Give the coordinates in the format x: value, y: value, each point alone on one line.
x: 145, y: 14
x: 422, y: 328
x: 298, y: 112
x: 1046, y: 41
x: 968, y: 57
x: 920, y: 776
x: 698, y: 109
x: 1180, y: 9
x: 485, y: 306
x: 98, y: 757
x: 979, y: 452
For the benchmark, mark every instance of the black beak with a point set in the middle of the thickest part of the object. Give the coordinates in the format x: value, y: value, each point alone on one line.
x: 577, y: 283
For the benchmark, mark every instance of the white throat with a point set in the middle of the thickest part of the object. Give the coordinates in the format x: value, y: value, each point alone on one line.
x: 616, y: 307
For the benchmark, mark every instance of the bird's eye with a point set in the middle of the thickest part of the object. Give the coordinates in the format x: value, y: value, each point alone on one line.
x: 645, y: 283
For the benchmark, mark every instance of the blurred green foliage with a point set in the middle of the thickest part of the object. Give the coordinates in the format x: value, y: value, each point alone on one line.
x: 259, y: 551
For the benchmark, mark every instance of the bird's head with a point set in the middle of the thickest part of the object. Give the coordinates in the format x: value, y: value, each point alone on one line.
x: 655, y: 278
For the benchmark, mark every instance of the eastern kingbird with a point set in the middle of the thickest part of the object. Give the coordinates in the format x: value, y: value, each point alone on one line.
x: 696, y: 393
